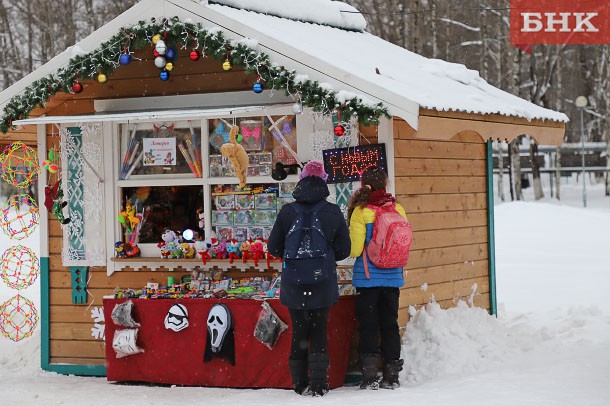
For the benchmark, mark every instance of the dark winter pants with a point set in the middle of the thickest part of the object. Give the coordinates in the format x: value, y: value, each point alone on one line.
x: 308, y: 328
x: 377, y: 313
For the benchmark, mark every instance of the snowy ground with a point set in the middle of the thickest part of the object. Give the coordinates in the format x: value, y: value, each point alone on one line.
x: 550, y: 344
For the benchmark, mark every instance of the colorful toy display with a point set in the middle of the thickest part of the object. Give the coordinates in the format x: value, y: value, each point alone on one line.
x: 19, y: 165
x: 20, y: 267
x: 18, y: 318
x: 20, y: 217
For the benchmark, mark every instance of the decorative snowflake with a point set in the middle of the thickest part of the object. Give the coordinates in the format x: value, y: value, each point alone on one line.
x: 92, y: 153
x: 97, y: 331
x: 70, y: 254
x: 319, y: 141
x: 91, y: 132
x: 76, y: 225
x: 92, y: 204
x: 68, y: 147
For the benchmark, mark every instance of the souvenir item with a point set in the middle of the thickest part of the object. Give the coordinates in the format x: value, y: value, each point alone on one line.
x: 237, y: 155
x: 244, y: 202
x: 121, y: 315
x: 177, y: 318
x: 269, y: 326
x: 220, y: 340
x: 124, y: 342
x: 252, y: 133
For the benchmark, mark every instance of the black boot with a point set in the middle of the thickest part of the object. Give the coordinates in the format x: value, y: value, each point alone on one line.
x: 300, y: 380
x: 318, y: 368
x: 369, y: 363
x: 390, y: 374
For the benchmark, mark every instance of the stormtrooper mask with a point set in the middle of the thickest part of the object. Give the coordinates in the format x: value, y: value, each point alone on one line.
x: 219, y: 324
x: 177, y: 318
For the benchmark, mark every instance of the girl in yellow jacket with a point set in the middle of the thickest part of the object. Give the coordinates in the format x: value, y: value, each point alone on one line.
x: 378, y: 292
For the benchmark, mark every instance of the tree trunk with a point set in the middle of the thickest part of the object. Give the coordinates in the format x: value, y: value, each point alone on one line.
x: 500, y: 170
x: 516, y: 169
x: 538, y: 192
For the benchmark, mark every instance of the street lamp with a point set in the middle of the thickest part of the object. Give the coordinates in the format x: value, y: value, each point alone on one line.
x: 581, y: 103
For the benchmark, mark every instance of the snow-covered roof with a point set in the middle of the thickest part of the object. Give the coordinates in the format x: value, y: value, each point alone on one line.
x: 345, y: 60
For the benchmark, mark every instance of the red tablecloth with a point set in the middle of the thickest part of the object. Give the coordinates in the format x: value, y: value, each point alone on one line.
x: 177, y: 357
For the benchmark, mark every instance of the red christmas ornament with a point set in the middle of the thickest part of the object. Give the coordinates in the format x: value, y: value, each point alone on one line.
x: 339, y: 131
x: 194, y: 55
x: 155, y: 53
x: 77, y: 87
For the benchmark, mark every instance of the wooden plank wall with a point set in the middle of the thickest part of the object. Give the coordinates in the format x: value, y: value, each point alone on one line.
x: 442, y: 186
x: 71, y: 339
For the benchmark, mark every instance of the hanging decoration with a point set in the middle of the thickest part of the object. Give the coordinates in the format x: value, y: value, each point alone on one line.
x: 220, y: 341
x: 20, y: 217
x: 194, y: 55
x: 19, y: 165
x: 177, y: 318
x: 105, y: 59
x: 102, y: 78
x: 339, y: 130
x: 125, y: 59
x: 164, y: 75
x: 18, y: 318
x: 77, y: 87
x: 258, y: 86
x: 20, y: 267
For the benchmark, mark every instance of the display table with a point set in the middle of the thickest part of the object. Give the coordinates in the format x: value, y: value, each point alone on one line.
x: 177, y: 357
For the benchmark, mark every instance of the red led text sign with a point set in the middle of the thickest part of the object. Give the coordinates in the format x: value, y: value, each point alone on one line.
x: 347, y: 164
x: 559, y: 22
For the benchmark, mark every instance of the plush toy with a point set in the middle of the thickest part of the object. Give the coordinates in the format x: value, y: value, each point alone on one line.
x: 268, y: 255
x: 233, y: 250
x: 256, y: 250
x: 187, y: 250
x: 245, y: 249
x: 203, y: 249
x: 119, y: 249
x: 53, y: 201
x: 220, y: 250
x: 237, y: 155
x: 132, y: 250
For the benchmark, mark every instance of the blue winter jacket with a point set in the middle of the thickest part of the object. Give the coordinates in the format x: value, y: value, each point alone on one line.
x: 361, y: 232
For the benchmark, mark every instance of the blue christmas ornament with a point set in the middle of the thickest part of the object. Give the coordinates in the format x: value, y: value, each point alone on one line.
x: 171, y: 53
x: 164, y: 75
x: 257, y: 88
x: 125, y: 59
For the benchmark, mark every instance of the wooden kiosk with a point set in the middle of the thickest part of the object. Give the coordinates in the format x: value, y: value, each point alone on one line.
x: 436, y: 120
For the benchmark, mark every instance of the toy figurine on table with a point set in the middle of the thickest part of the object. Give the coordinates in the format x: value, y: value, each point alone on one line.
x: 233, y: 250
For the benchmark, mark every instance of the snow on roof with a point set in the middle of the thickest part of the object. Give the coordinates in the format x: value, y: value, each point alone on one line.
x: 431, y: 83
x: 324, y: 12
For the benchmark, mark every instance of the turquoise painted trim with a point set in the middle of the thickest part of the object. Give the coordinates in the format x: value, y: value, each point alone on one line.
x: 81, y: 370
x: 45, y: 337
x: 44, y: 314
x: 491, y: 245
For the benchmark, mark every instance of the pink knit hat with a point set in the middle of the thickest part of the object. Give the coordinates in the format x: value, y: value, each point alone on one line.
x: 314, y: 168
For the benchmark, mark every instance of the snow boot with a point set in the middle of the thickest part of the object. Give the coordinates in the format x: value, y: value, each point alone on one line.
x: 390, y: 374
x: 318, y: 368
x: 300, y: 379
x: 368, y: 363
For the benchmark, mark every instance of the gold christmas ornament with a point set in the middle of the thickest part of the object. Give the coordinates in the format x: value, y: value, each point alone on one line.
x: 226, y: 65
x: 102, y: 78
x: 156, y: 38
x: 169, y: 66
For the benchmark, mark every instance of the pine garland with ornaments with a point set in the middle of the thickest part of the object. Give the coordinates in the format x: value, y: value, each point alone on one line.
x: 100, y: 63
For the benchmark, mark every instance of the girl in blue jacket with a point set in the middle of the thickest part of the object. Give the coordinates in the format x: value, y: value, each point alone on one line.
x: 378, y: 292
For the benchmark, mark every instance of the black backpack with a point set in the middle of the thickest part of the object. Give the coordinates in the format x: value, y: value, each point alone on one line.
x: 308, y: 259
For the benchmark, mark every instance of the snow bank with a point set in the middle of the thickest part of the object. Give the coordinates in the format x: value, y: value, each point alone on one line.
x: 460, y: 340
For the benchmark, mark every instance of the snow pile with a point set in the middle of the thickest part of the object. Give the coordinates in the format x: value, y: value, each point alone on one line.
x: 324, y: 12
x: 21, y: 357
x: 460, y: 340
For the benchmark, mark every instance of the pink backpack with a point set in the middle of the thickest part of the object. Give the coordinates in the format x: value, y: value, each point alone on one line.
x: 392, y: 237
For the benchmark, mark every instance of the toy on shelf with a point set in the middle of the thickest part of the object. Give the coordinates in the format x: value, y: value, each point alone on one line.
x: 233, y: 250
x: 220, y: 249
x: 203, y: 250
x: 245, y: 249
x: 256, y: 250
x: 188, y: 251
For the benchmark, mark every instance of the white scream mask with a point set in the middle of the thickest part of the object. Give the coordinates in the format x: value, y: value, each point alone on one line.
x: 219, y: 323
x: 177, y: 318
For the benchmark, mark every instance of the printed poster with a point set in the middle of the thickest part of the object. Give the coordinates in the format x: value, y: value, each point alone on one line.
x: 159, y: 151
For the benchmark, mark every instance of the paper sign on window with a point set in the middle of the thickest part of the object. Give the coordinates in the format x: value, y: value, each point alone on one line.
x: 159, y: 151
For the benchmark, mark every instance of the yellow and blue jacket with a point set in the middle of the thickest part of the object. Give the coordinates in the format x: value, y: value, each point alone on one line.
x: 361, y: 232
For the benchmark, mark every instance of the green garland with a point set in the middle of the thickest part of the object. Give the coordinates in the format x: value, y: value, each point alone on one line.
x: 186, y: 35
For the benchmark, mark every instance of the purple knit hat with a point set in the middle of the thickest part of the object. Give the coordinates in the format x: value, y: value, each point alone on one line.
x: 314, y: 168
